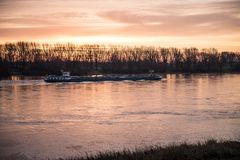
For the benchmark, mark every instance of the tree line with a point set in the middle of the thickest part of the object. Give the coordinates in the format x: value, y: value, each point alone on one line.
x: 30, y: 58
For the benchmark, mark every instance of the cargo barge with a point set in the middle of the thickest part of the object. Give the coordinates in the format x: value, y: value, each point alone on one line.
x: 66, y: 77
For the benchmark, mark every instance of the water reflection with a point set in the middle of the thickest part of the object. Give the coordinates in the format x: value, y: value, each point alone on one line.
x: 51, y: 120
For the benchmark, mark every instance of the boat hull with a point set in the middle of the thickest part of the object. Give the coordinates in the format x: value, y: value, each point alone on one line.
x: 54, y: 79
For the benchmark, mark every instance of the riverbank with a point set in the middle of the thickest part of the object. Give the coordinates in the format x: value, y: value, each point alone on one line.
x: 30, y: 58
x: 209, y: 150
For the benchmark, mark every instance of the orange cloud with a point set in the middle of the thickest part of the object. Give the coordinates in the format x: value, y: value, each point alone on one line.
x: 42, y: 19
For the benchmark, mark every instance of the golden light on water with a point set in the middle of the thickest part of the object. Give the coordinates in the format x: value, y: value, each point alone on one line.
x: 62, y: 119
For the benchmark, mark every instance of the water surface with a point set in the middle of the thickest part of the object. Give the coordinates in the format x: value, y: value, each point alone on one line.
x: 41, y: 120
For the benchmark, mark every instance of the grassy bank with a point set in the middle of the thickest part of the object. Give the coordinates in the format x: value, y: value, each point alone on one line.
x: 209, y: 150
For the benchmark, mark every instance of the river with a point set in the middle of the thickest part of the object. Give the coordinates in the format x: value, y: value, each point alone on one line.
x: 41, y: 120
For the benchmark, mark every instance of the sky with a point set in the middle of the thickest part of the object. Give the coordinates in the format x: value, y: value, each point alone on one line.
x: 166, y: 23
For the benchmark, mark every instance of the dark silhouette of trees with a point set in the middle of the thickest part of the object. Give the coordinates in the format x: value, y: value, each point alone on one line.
x: 30, y: 58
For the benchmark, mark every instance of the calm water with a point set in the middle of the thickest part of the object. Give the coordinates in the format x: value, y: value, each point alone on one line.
x: 40, y: 120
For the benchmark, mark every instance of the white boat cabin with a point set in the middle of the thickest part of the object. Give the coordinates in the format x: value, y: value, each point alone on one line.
x: 66, y: 74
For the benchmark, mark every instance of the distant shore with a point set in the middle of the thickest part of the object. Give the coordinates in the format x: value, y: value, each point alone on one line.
x: 30, y: 58
x: 209, y: 150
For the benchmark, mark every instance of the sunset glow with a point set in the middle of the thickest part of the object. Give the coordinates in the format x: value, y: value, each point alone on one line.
x: 203, y: 24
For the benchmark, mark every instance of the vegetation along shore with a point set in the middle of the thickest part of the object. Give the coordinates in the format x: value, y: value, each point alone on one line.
x: 30, y: 58
x: 209, y: 150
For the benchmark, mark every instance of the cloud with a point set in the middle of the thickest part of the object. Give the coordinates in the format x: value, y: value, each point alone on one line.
x: 30, y: 22
x: 213, y: 23
x: 227, y: 5
x: 180, y: 19
x: 40, y: 32
x: 23, y: 19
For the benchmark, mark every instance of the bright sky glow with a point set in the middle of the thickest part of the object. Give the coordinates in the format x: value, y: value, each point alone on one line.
x: 174, y: 23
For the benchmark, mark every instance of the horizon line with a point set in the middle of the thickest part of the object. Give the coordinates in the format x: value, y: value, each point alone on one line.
x: 132, y: 45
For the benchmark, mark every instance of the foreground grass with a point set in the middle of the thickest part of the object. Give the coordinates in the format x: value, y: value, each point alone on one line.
x: 209, y: 150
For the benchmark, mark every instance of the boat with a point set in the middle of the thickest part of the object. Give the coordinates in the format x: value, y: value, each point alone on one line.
x: 66, y: 77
